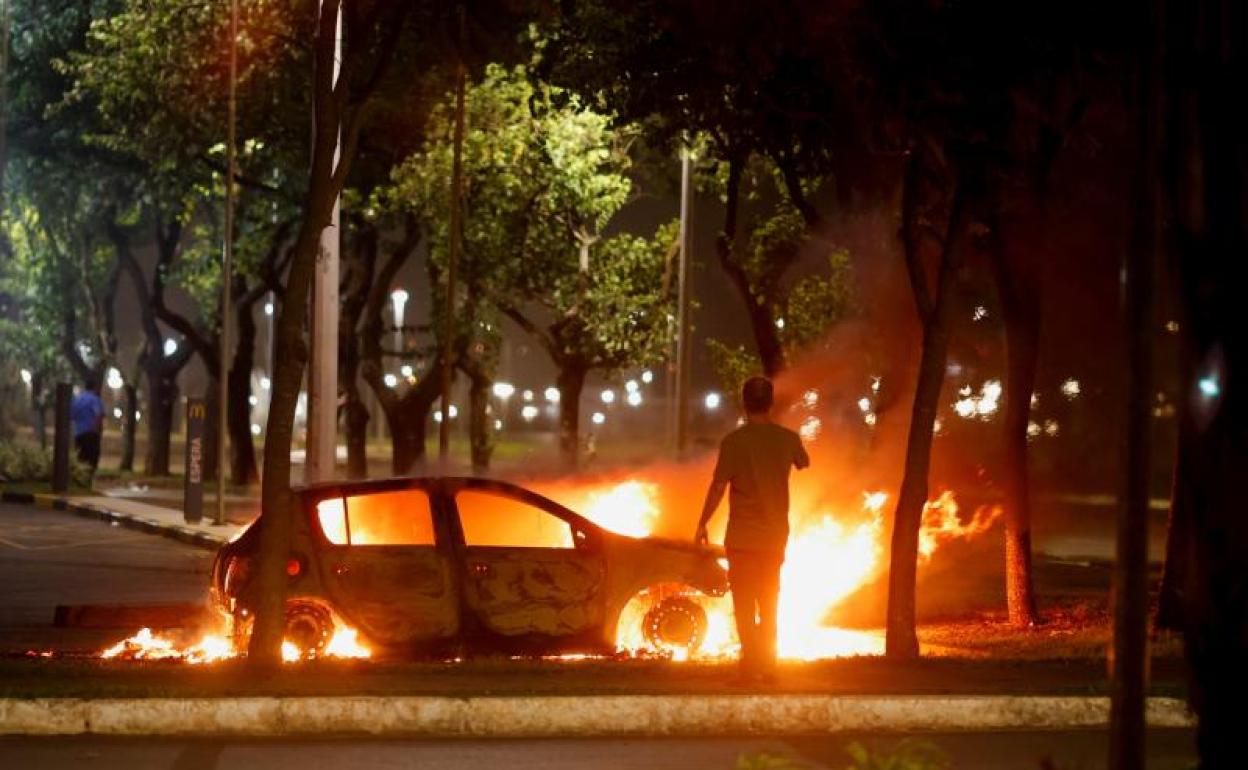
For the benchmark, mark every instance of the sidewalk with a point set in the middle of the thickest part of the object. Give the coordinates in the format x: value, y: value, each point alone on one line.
x: 153, y: 519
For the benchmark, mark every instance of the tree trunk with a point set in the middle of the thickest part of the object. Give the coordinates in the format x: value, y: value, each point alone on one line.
x: 1019, y: 291
x: 212, y: 403
x: 356, y: 424
x: 901, y: 640
x: 570, y: 381
x: 407, y: 440
x: 243, y: 468
x: 1022, y: 350
x: 129, y: 427
x: 480, y: 433
x: 162, y: 394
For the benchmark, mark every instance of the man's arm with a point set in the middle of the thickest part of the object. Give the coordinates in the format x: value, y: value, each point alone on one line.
x: 714, y: 495
x: 800, y: 458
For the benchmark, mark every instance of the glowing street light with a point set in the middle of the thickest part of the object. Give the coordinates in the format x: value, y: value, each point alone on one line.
x: 504, y: 390
x: 1209, y: 386
x: 647, y: 376
x: 171, y: 347
x: 265, y: 383
x: 598, y: 418
x: 27, y: 377
x: 552, y: 395
x: 528, y: 413
x: 712, y: 401
x: 255, y: 429
x: 406, y: 371
x: 633, y: 399
x: 114, y: 379
x: 391, y: 380
x: 631, y: 386
x: 268, y: 308
x: 608, y: 396
x: 527, y: 395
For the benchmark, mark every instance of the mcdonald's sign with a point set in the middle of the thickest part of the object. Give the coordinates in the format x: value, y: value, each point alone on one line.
x: 193, y: 487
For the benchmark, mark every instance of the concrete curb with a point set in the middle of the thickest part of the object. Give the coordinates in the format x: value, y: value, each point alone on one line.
x: 129, y: 520
x: 551, y: 716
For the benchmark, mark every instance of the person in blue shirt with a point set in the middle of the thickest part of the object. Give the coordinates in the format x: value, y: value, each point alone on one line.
x: 86, y: 412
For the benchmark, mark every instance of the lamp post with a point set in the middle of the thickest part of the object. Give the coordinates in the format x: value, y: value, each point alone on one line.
x: 227, y: 264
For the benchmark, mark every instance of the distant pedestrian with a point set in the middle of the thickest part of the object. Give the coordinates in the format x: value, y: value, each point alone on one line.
x: 87, y: 414
x: 754, y: 462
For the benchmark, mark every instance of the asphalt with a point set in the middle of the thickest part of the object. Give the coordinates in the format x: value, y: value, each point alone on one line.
x: 49, y: 558
x: 1168, y: 749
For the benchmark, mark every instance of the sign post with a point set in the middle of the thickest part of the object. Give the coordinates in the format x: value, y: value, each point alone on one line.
x: 193, y: 489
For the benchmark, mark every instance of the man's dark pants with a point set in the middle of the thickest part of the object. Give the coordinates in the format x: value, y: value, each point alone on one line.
x: 88, y: 448
x: 754, y: 577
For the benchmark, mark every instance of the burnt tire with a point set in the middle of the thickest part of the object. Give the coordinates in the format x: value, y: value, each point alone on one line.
x: 677, y: 622
x: 309, y: 625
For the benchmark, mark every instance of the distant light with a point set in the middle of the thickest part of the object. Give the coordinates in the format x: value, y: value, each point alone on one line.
x: 712, y: 401
x: 138, y: 415
x: 268, y: 308
x: 875, y: 384
x: 1033, y: 429
x: 938, y: 426
x: 454, y: 412
x: 608, y: 396
x: 864, y: 404
x: 1070, y: 388
x: 1050, y: 427
x: 965, y: 390
x: 498, y: 425
x: 529, y: 413
x: 598, y: 418
x: 552, y: 394
x: 115, y: 380
x: 265, y: 383
x: 991, y: 390
x: 1172, y: 326
x: 27, y: 377
x: 779, y: 323
x: 1035, y: 400
x: 391, y: 380
x: 171, y: 346
x: 965, y: 407
x: 810, y: 398
x: 810, y: 427
x: 253, y: 400
x: 504, y: 390
x: 117, y: 412
x: 869, y: 419
x: 1209, y: 386
x: 631, y: 386
x: 255, y: 429
x: 633, y: 398
x: 527, y: 395
x: 406, y: 370
x: 437, y: 415
x: 647, y: 376
x: 980, y: 313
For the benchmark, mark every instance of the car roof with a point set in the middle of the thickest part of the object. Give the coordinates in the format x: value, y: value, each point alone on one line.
x: 445, y: 483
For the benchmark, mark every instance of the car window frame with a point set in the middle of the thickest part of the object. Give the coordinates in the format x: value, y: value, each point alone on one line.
x: 442, y: 535
x: 586, y: 536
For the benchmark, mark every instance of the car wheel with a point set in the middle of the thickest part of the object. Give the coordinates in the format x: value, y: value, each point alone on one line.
x: 308, y: 625
x: 675, y: 623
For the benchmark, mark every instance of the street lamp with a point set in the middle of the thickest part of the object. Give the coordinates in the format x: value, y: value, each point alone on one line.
x: 27, y: 377
x: 114, y: 378
x: 552, y: 395
x: 711, y: 401
x: 398, y: 299
x: 171, y: 347
x: 504, y: 390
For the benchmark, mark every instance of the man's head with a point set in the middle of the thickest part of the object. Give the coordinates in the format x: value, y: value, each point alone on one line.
x: 93, y: 383
x: 757, y: 396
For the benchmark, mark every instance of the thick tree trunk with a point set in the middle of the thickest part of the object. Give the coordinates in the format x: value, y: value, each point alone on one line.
x: 901, y: 640
x: 1022, y: 350
x: 129, y: 426
x: 162, y: 394
x: 243, y: 468
x: 407, y: 440
x: 212, y: 402
x: 356, y: 424
x: 570, y: 381
x: 480, y: 433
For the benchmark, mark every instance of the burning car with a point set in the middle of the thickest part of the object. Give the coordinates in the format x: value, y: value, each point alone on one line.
x: 453, y: 565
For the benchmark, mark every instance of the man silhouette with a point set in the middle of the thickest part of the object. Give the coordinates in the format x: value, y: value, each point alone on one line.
x: 754, y: 463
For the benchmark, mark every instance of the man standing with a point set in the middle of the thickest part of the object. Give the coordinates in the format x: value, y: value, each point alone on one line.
x: 754, y: 460
x: 87, y: 414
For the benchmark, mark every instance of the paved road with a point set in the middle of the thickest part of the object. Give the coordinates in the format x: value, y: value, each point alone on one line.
x: 50, y: 557
x: 1168, y: 750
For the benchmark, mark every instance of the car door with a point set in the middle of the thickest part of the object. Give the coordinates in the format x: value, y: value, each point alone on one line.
x: 387, y: 566
x: 528, y: 569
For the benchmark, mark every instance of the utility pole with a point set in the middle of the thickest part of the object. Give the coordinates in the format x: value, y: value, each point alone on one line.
x: 452, y: 267
x: 323, y: 359
x: 682, y: 307
x: 227, y: 264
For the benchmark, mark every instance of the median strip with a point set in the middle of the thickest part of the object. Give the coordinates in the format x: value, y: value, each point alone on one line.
x: 552, y: 716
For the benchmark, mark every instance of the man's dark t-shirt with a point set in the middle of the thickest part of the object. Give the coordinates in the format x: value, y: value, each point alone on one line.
x: 755, y: 460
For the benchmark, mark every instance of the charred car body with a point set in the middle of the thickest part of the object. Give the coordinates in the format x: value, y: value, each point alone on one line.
x: 451, y: 565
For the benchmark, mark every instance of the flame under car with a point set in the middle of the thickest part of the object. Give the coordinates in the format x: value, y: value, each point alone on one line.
x: 448, y: 566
